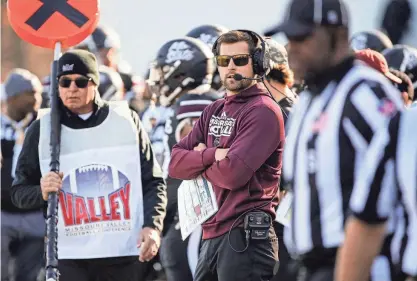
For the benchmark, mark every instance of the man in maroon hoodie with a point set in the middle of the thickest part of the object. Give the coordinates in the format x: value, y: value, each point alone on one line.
x: 237, y: 146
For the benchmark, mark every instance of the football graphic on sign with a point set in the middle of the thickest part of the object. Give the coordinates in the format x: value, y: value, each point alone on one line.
x: 94, y: 193
x: 93, y: 180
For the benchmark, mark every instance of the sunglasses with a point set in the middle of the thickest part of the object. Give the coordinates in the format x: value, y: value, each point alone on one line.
x: 238, y: 60
x: 80, y: 82
x: 300, y: 38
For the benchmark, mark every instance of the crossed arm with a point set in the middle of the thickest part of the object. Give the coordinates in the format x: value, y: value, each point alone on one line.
x: 228, y: 168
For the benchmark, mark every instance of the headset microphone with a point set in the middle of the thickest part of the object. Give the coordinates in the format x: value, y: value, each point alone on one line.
x: 239, y: 77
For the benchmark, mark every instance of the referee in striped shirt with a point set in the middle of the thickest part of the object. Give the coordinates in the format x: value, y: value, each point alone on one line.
x: 388, y: 178
x: 330, y: 129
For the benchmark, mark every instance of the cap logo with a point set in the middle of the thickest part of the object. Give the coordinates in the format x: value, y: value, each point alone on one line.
x: 359, y: 42
x: 67, y: 67
x: 332, y: 17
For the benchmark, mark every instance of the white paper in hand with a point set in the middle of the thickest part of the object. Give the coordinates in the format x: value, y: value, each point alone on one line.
x: 196, y: 204
x: 284, y: 210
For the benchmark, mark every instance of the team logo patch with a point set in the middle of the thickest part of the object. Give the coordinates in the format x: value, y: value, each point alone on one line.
x: 67, y: 67
x: 221, y: 126
x: 320, y: 123
x: 387, y: 107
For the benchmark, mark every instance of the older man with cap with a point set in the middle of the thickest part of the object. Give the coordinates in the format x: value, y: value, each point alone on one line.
x: 336, y: 118
x: 112, y: 196
x: 21, y: 230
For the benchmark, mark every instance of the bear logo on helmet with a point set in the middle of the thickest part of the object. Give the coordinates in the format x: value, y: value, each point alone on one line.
x: 207, y: 39
x: 179, y: 51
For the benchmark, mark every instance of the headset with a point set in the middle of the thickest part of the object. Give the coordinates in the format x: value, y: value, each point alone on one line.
x: 260, y: 57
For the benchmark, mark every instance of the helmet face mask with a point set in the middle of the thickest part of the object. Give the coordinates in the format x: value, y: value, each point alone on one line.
x: 155, y: 79
x: 181, y: 65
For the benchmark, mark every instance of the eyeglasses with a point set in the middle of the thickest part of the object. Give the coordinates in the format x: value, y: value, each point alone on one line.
x: 80, y: 82
x: 238, y: 60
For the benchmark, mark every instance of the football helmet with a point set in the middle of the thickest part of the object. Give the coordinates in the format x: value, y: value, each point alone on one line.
x: 181, y: 65
x: 374, y: 39
x: 404, y: 59
x: 209, y: 34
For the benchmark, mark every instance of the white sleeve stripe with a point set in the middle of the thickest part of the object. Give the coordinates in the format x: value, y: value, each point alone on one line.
x: 398, y: 235
x: 195, y: 102
x: 294, y: 124
x: 189, y: 115
x: 167, y: 156
x: 364, y: 72
x: 407, y: 179
x: 409, y: 257
x: 366, y: 103
x: 387, y: 195
x: 374, y: 155
x: 358, y: 141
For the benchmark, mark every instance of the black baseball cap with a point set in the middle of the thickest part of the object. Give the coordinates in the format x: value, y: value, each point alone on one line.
x: 305, y: 15
x: 79, y: 62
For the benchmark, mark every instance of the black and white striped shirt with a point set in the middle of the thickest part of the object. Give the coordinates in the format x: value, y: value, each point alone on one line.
x: 329, y: 132
x: 388, y: 178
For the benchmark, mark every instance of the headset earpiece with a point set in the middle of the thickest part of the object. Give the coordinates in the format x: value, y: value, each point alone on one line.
x: 260, y: 56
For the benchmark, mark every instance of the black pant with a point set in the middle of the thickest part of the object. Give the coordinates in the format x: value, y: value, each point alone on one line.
x: 108, y: 269
x: 22, y: 245
x: 147, y: 271
x: 173, y: 254
x: 386, y: 252
x: 286, y: 272
x: 319, y: 274
x: 219, y: 262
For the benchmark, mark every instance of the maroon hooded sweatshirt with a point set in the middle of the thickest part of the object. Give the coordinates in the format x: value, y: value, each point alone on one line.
x: 251, y: 125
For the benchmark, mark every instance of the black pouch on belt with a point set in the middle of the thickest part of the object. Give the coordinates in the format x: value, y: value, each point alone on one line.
x: 258, y: 224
